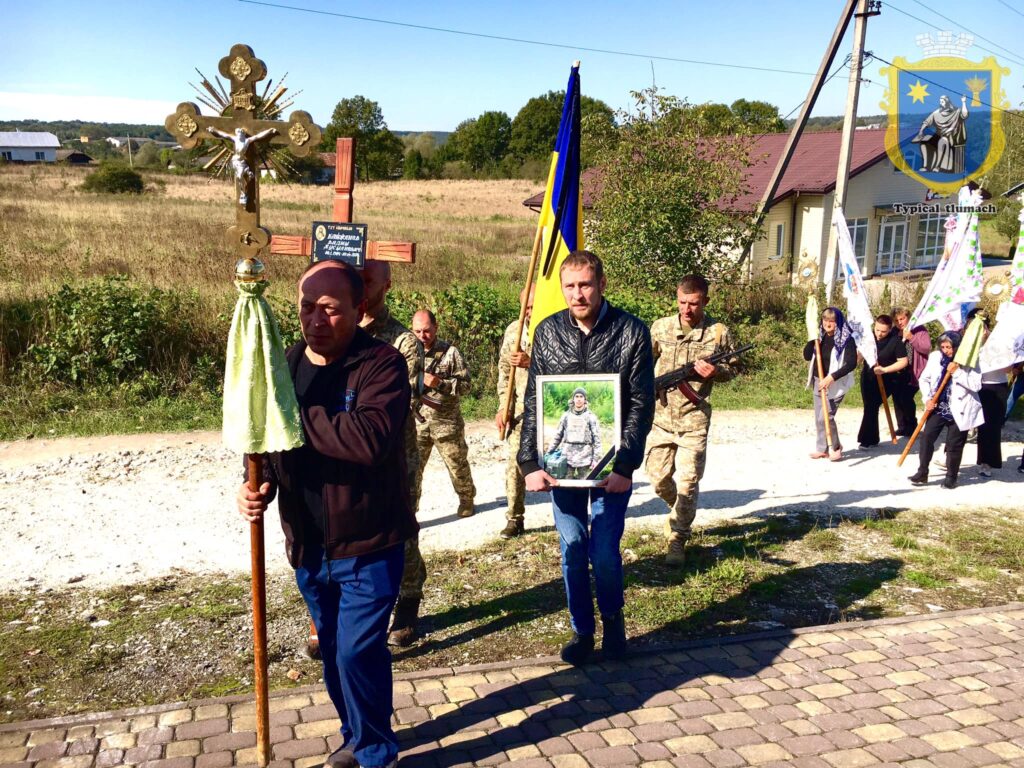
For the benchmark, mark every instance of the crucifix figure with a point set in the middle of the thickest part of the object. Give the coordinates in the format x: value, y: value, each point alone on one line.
x: 242, y: 142
x: 239, y: 123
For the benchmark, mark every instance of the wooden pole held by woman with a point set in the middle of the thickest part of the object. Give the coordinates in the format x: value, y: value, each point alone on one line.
x: 259, y: 619
x: 885, y: 404
x: 927, y: 412
x: 823, y: 393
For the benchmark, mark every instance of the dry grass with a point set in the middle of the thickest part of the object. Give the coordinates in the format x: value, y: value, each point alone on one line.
x: 51, y: 232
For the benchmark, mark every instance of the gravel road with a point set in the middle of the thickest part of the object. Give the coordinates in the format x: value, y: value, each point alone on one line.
x: 95, y: 512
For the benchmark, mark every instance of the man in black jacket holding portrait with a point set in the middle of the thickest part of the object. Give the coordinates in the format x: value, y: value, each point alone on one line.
x: 592, y: 336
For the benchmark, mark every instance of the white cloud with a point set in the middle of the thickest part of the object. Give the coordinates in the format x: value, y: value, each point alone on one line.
x: 100, y: 109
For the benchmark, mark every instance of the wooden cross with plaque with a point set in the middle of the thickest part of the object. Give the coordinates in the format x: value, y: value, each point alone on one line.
x: 239, y: 124
x: 344, y: 180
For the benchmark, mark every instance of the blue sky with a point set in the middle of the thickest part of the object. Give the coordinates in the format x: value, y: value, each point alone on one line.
x: 131, y: 61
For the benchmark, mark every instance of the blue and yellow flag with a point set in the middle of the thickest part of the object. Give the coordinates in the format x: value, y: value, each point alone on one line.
x: 561, y: 215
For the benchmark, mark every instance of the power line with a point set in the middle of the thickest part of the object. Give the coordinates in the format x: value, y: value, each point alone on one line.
x: 524, y: 41
x: 919, y: 76
x: 1003, y: 2
x: 953, y: 21
x: 930, y: 24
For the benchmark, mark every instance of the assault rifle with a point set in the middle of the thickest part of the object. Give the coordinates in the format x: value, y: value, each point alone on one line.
x: 679, y: 378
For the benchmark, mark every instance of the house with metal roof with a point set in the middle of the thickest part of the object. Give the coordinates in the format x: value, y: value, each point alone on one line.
x: 888, y: 236
x: 28, y: 146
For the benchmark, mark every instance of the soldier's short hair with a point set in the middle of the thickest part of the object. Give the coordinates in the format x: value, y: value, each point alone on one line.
x: 884, y: 320
x: 349, y: 274
x: 583, y: 258
x: 693, y: 284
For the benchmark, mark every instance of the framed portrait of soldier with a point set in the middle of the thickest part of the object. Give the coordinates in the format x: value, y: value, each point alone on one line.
x: 578, y: 427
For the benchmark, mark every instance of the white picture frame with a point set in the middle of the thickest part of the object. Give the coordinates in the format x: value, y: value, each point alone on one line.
x: 586, y: 440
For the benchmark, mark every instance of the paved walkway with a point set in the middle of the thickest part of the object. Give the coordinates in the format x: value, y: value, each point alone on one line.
x: 942, y: 690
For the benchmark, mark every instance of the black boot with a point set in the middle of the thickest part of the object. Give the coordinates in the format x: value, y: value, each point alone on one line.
x: 577, y: 650
x: 403, y: 628
x: 919, y: 478
x: 613, y: 643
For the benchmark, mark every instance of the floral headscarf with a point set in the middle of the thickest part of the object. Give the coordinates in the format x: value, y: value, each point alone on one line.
x: 842, y: 334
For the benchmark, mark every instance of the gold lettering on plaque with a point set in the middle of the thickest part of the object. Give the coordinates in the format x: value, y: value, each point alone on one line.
x: 241, y: 99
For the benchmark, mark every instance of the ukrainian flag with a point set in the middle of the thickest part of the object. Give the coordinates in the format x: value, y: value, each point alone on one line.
x: 561, y: 215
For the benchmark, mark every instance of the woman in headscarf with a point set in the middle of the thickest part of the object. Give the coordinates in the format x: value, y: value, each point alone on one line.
x: 839, y: 359
x: 958, y: 409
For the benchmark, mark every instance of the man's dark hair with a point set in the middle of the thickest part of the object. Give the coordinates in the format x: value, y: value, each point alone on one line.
x: 346, y: 272
x: 693, y: 284
x: 583, y: 258
x: 884, y: 320
x: 428, y: 313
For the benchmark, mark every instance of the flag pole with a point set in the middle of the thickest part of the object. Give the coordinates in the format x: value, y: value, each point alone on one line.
x: 259, y: 618
x: 924, y: 417
x: 506, y: 406
x: 823, y: 393
x: 885, y: 404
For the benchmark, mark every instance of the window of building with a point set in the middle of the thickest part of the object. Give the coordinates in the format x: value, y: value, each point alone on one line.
x: 7, y: 155
x: 40, y: 155
x: 931, y: 239
x: 780, y: 241
x: 859, y: 235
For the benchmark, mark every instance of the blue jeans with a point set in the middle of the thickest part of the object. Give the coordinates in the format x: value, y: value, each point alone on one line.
x: 593, y: 542
x: 350, y: 601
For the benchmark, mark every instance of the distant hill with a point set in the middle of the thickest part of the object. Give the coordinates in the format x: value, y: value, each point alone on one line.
x: 440, y: 137
x: 835, y: 122
x: 71, y: 130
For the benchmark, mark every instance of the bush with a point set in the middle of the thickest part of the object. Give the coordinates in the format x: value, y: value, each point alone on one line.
x: 113, y: 178
x: 109, y: 332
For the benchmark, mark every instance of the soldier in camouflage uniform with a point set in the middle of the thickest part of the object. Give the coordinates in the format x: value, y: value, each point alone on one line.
x: 511, y: 356
x: 678, y: 440
x: 579, y: 436
x: 378, y: 322
x: 445, y: 379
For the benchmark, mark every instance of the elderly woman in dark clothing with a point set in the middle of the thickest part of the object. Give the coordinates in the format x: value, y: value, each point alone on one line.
x: 892, y: 367
x: 958, y: 409
x: 839, y: 359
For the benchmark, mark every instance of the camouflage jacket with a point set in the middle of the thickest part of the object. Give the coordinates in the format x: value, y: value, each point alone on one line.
x: 673, y: 347
x: 445, y: 362
x: 508, y: 346
x: 579, y: 437
x: 389, y: 330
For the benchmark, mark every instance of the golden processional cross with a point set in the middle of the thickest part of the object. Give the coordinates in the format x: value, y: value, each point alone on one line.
x: 238, y: 123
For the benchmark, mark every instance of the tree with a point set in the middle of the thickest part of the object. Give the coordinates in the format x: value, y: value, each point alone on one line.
x: 536, y: 125
x: 759, y: 116
x: 482, y: 141
x: 412, y: 167
x: 361, y: 119
x: 148, y: 156
x: 662, y: 210
x: 383, y: 155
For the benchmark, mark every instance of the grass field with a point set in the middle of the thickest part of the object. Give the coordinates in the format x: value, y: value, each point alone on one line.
x: 172, y: 236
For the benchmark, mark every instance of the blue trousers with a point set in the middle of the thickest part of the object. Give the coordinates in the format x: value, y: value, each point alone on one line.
x: 350, y: 601
x: 590, y: 542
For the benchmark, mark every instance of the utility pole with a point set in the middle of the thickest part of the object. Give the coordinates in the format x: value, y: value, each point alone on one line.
x: 865, y: 8
x: 798, y: 127
x: 131, y: 164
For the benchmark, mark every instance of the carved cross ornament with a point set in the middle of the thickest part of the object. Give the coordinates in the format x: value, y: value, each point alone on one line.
x: 239, y: 125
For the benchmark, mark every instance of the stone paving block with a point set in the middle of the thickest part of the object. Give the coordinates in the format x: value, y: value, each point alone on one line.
x: 691, y: 745
x: 45, y: 736
x: 569, y: 761
x: 728, y: 720
x: 190, y: 748
x: 174, y: 717
x: 159, y: 735
x: 82, y: 761
x: 850, y: 758
x: 756, y: 754
x: 612, y: 756
x: 201, y: 729
x: 83, y: 747
x: 174, y: 762
x: 299, y: 748
x: 880, y: 732
x: 215, y: 760
x: 213, y: 711
x: 946, y: 741
x: 806, y: 745
x: 109, y: 758
x: 736, y: 737
x: 118, y: 741
x: 325, y: 728
x: 137, y: 755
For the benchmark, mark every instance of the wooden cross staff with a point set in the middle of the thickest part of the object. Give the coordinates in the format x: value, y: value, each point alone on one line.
x: 238, y: 123
x: 344, y: 180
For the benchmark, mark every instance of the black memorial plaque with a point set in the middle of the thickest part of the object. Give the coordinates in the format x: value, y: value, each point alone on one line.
x: 340, y: 242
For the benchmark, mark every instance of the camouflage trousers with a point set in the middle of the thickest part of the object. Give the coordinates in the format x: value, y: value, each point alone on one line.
x: 675, y: 465
x: 415, y: 572
x: 449, y: 435
x: 515, y: 486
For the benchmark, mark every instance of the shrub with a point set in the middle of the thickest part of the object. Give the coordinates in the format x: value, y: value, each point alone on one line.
x: 107, y: 332
x: 113, y: 178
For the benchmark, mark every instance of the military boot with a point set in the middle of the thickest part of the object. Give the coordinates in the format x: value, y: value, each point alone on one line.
x: 675, y: 554
x: 578, y: 649
x: 465, y: 509
x: 512, y: 529
x: 403, y: 628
